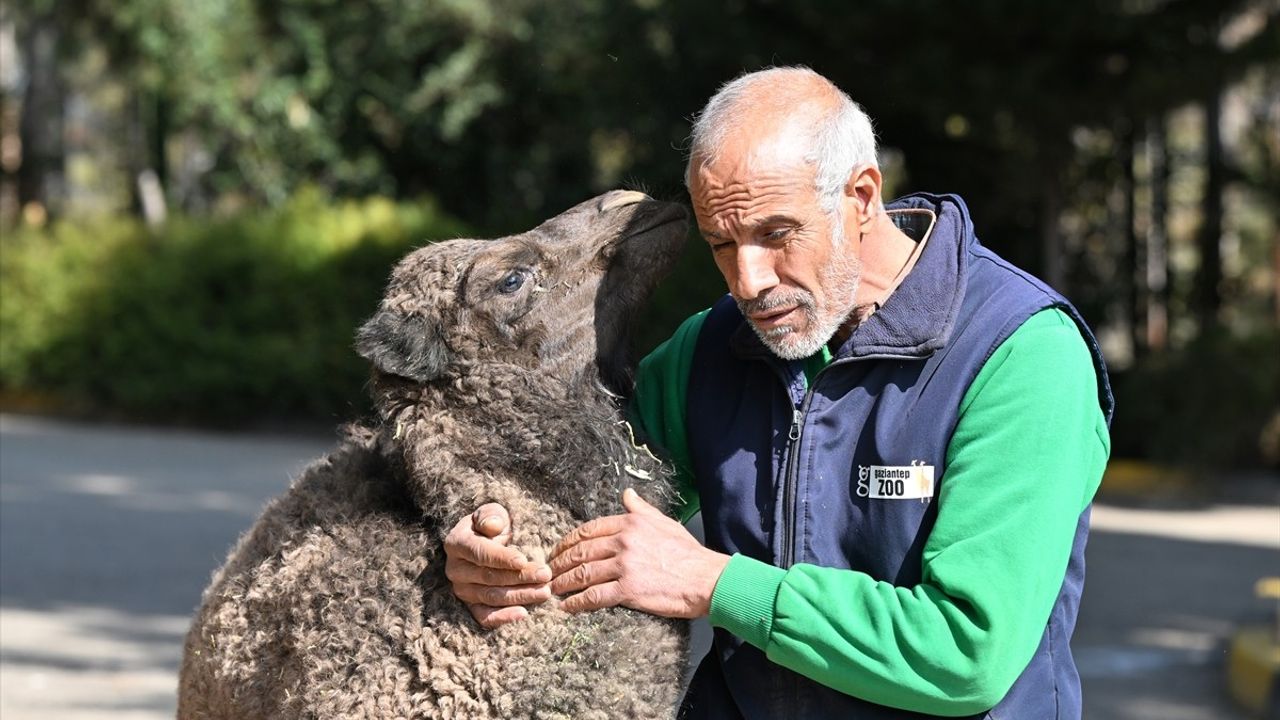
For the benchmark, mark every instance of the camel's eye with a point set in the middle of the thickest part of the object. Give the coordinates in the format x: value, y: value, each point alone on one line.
x: 511, y: 283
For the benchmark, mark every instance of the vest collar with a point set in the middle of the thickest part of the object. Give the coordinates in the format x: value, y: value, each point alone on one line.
x: 917, y: 319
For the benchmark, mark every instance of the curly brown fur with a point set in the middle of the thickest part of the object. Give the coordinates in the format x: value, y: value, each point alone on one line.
x: 335, y: 604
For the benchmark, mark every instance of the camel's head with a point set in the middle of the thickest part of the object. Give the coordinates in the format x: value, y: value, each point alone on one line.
x: 556, y: 300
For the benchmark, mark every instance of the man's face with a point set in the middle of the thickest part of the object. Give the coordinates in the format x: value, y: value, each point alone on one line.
x: 782, y: 255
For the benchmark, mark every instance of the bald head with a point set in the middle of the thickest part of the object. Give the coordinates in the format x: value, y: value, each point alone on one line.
x: 788, y: 115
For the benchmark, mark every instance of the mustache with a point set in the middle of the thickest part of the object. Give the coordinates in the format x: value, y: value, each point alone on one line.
x: 776, y: 300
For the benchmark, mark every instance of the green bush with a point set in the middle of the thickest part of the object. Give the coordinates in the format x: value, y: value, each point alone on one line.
x: 1207, y: 406
x: 218, y: 321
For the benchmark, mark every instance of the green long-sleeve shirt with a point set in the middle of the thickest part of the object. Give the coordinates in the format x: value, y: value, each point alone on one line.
x: 1025, y: 460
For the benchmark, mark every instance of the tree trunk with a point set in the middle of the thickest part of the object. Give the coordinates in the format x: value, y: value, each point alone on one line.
x: 147, y: 162
x: 1208, y: 290
x: 41, y: 176
x: 1055, y: 273
x: 1158, y: 238
x: 1275, y: 274
x: 158, y: 132
x: 1133, y: 255
x: 150, y: 128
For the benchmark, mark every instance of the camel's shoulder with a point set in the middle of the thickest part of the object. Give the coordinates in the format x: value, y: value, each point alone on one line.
x: 358, y: 478
x: 311, y: 589
x: 344, y: 510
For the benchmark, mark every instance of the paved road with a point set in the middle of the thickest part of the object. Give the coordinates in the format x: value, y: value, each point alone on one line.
x: 108, y: 535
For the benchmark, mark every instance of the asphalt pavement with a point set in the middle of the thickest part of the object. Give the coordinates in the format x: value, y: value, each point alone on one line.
x: 108, y: 535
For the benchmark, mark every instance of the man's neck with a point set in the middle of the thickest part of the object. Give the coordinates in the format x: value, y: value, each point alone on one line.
x: 886, y: 256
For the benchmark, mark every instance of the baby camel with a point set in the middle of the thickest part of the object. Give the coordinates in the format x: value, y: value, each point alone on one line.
x: 497, y: 370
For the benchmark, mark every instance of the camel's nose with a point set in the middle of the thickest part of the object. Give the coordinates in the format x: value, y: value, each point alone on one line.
x: 621, y: 198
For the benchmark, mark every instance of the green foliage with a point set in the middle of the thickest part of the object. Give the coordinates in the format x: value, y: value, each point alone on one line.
x: 248, y: 317
x: 508, y: 111
x: 1205, y: 406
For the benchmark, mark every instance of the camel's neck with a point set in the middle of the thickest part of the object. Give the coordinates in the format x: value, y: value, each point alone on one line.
x: 564, y: 442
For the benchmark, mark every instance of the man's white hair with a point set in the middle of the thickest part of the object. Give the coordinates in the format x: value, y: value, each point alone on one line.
x: 841, y: 136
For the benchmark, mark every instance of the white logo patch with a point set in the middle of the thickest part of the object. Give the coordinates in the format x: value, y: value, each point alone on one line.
x: 896, y: 482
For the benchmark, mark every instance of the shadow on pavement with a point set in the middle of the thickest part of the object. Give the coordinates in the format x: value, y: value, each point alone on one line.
x: 107, y: 538
x: 1154, y: 623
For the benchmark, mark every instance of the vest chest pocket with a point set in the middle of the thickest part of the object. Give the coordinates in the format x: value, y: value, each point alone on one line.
x: 893, y: 512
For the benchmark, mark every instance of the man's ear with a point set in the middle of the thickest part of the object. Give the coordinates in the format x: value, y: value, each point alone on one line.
x: 862, y: 192
x: 409, y: 346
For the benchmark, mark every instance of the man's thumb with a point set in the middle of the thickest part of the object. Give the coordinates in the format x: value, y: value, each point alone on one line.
x: 632, y: 501
x: 491, y: 520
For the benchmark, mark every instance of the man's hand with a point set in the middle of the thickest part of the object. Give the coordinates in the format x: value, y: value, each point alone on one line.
x: 493, y: 580
x: 643, y: 560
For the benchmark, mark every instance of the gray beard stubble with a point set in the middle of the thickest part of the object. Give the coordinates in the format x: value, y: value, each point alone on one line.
x: 840, y: 277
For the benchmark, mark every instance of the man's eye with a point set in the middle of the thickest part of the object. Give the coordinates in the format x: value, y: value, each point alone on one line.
x: 779, y: 234
x: 512, y: 282
x: 719, y: 245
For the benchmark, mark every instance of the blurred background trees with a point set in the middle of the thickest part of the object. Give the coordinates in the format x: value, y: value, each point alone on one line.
x: 1126, y: 151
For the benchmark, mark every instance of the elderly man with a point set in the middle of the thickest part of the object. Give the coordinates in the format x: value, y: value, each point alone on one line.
x: 893, y: 435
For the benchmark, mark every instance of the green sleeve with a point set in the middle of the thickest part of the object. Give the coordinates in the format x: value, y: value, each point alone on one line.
x: 658, y: 405
x: 1026, y: 457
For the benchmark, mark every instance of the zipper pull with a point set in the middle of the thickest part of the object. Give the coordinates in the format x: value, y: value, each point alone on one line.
x: 797, y: 418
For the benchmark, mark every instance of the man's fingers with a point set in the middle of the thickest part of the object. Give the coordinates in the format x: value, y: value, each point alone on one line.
x: 586, y: 575
x: 464, y: 545
x: 461, y: 571
x: 492, y: 521
x: 471, y: 593
x: 594, y: 598
x: 591, y: 529
x: 491, y: 617
x: 583, y: 552
x: 492, y: 555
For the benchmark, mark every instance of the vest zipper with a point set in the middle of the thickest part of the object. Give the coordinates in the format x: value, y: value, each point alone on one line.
x: 789, y: 483
x: 793, y: 462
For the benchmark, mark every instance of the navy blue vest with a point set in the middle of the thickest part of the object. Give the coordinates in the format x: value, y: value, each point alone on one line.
x: 787, y: 494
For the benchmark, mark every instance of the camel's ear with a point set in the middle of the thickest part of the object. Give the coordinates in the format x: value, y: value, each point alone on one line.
x: 409, y: 346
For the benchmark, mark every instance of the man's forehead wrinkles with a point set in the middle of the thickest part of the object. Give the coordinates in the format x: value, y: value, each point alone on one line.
x: 740, y: 209
x: 739, y: 194
x: 745, y: 192
x: 714, y: 185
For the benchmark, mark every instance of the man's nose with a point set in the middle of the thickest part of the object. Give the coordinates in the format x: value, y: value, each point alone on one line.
x: 754, y: 270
